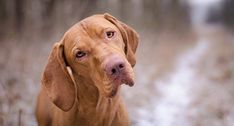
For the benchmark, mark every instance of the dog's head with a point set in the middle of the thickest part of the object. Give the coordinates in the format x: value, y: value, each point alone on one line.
x: 99, y: 49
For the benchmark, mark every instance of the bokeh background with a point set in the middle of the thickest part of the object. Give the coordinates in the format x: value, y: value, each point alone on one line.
x: 185, y: 59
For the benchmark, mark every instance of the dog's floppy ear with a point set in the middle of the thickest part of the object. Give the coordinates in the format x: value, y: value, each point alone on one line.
x: 130, y: 38
x: 56, y: 80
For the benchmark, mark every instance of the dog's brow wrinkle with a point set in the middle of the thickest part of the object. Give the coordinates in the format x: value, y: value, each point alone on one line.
x: 84, y: 27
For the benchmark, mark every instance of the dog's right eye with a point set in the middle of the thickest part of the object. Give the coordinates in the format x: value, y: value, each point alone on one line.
x: 110, y: 34
x: 80, y: 54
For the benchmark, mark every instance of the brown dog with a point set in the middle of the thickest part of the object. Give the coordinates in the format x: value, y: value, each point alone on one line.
x: 81, y: 80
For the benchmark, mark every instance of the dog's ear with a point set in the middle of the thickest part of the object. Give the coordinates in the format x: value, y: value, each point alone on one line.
x: 130, y: 38
x: 56, y: 80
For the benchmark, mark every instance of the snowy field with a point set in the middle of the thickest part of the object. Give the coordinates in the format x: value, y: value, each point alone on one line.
x: 197, y: 90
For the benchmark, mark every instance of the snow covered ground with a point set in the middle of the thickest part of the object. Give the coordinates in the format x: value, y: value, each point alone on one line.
x: 196, y: 90
x: 176, y: 88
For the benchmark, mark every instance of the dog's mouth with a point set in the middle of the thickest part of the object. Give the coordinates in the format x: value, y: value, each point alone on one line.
x: 116, y: 82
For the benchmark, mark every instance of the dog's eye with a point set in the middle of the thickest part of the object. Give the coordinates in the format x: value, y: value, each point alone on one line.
x: 110, y: 34
x: 80, y: 54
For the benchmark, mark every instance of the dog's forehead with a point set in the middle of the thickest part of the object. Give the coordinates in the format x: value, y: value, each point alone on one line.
x: 96, y: 22
x: 88, y: 28
x: 92, y: 26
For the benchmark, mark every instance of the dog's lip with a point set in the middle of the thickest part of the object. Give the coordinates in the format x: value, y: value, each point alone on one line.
x: 128, y: 82
x: 118, y: 81
x: 123, y: 80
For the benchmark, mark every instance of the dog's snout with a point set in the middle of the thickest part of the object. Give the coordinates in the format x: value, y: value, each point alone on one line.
x: 114, y: 66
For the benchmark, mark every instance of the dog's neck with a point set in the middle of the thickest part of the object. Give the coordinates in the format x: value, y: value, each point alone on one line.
x: 90, y: 101
x: 88, y: 94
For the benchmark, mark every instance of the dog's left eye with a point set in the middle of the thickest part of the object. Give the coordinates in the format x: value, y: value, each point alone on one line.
x: 110, y: 34
x: 80, y: 54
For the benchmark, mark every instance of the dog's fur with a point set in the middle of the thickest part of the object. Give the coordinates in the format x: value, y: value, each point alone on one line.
x: 78, y: 91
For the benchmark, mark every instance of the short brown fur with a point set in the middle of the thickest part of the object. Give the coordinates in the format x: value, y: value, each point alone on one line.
x: 78, y: 92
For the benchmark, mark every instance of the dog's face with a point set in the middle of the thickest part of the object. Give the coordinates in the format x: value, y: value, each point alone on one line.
x: 99, y: 48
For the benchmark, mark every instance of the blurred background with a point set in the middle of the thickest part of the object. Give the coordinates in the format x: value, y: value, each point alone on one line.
x: 185, y: 59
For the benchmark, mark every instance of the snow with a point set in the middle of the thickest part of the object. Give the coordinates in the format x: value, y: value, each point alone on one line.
x: 175, y: 90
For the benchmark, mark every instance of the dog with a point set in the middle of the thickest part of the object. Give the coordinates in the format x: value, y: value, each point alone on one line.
x: 81, y: 82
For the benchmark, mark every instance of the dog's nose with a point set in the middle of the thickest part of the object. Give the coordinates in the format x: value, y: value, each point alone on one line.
x: 115, y: 66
